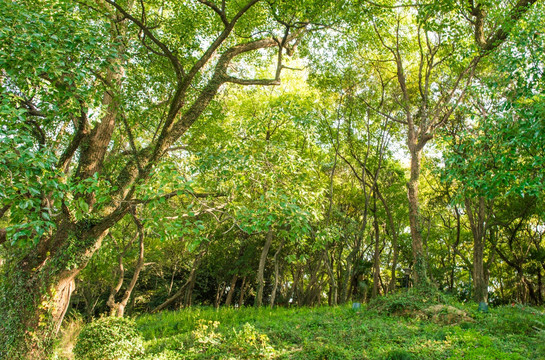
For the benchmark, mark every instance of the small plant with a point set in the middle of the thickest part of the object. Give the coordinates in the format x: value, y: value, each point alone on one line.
x: 250, y: 344
x: 109, y: 338
x: 205, y: 336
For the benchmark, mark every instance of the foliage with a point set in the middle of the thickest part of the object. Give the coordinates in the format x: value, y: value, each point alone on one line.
x: 235, y: 133
x: 498, y: 150
x: 109, y: 338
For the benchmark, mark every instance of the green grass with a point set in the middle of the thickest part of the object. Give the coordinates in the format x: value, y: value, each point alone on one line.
x: 341, y: 333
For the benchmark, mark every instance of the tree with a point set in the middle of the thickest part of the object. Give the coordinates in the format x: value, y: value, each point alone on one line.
x: 110, y: 137
x: 494, y: 153
x: 433, y: 70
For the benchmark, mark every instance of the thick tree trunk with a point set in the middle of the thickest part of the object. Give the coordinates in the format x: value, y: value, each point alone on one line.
x: 37, y: 292
x: 419, y: 259
x: 261, y: 269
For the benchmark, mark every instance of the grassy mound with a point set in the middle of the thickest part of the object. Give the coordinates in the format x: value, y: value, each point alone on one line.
x: 405, y: 301
x: 421, y: 304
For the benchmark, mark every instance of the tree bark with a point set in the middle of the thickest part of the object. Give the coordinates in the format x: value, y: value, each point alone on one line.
x: 243, y: 288
x: 478, y: 228
x: 333, y: 288
x: 419, y: 260
x: 276, y: 273
x: 376, y: 254
x: 118, y: 308
x: 231, y: 292
x: 219, y: 294
x: 261, y: 269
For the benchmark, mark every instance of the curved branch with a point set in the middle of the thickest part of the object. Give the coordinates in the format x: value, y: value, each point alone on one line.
x: 173, y: 59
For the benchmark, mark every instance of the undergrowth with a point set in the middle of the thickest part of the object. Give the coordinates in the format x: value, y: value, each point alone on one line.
x: 512, y: 332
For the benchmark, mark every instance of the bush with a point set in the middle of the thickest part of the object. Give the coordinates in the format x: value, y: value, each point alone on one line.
x: 109, y: 338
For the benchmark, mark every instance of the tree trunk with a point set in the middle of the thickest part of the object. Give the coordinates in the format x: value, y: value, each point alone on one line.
x: 39, y: 279
x: 231, y: 292
x: 347, y: 278
x: 261, y: 269
x: 393, y: 229
x: 190, y: 280
x: 188, y: 296
x: 118, y: 308
x: 276, y: 273
x: 219, y: 294
x: 376, y: 255
x: 478, y: 229
x: 242, y: 291
x: 419, y: 260
x: 540, y: 288
x: 333, y: 288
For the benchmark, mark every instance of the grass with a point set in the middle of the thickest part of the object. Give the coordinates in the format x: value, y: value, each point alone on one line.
x: 396, y: 328
x: 341, y: 333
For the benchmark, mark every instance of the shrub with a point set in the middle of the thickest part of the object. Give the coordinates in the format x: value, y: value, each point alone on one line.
x: 109, y: 338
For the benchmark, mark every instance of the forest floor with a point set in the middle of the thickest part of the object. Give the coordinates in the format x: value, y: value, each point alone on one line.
x: 453, y: 331
x: 510, y: 332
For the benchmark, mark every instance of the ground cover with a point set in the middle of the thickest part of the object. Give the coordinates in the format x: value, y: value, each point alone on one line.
x: 397, y: 330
